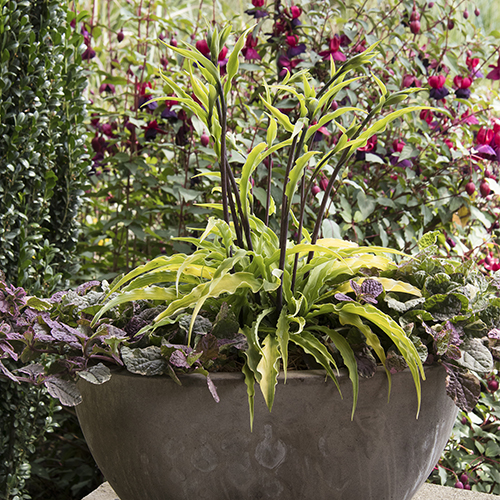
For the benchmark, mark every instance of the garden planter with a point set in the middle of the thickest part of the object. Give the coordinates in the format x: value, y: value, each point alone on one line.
x: 156, y: 440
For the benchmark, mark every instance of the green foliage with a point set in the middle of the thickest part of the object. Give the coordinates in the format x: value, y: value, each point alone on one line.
x: 42, y: 172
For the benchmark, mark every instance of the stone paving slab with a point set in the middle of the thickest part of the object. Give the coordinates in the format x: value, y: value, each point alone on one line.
x: 427, y: 492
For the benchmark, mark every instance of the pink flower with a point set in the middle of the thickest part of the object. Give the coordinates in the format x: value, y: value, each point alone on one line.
x: 370, y: 144
x: 258, y: 3
x: 296, y: 11
x: 462, y: 82
x: 202, y: 46
x: 469, y: 119
x: 398, y: 145
x: 411, y: 81
x: 249, y: 52
x: 484, y: 136
x: 495, y: 73
x: 437, y: 81
x: 334, y: 46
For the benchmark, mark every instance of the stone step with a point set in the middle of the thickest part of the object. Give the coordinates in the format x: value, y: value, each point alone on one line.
x: 427, y: 492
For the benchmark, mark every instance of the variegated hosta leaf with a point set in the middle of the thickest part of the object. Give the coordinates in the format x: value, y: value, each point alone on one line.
x: 268, y: 368
x: 349, y: 360
x: 396, y: 334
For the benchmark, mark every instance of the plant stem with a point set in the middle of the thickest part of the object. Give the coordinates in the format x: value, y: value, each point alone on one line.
x: 284, y: 221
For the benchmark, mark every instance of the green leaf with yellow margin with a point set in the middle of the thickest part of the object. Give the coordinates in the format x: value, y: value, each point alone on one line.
x: 268, y: 368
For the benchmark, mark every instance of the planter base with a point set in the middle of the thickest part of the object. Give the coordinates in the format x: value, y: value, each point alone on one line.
x: 155, y: 440
x: 426, y: 492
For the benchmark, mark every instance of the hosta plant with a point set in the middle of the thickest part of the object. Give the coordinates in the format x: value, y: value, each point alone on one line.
x: 262, y: 292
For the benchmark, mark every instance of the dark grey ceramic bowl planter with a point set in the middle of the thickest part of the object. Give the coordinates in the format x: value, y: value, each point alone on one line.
x: 155, y: 440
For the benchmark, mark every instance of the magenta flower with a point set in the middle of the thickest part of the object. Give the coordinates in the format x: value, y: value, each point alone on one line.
x: 296, y: 11
x: 249, y: 52
x: 469, y: 119
x: 462, y: 84
x: 202, y: 46
x: 371, y: 144
x: 438, y: 90
x: 495, y: 73
x: 107, y: 87
x: 151, y: 130
x: 258, y: 3
x: 88, y: 54
x: 286, y: 65
x: 411, y: 81
x: 333, y: 50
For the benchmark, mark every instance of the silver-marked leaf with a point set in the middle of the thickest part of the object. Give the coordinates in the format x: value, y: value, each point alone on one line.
x: 463, y: 387
x: 63, y: 390
x: 97, y: 374
x: 475, y: 356
x: 146, y: 361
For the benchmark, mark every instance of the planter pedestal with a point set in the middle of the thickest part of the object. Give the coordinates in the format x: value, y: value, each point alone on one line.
x: 155, y: 440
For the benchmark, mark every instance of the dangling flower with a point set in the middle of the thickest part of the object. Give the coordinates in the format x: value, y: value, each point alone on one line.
x: 462, y: 84
x: 249, y: 52
x: 411, y: 81
x: 151, y: 130
x: 334, y: 46
x: 471, y: 63
x: 107, y: 87
x: 439, y: 91
x: 286, y: 65
x: 495, y: 73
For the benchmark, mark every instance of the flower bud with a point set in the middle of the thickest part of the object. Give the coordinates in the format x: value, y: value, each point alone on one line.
x: 451, y: 24
x: 204, y: 139
x: 470, y: 187
x: 459, y: 485
x: 493, y: 385
x: 466, y: 14
x: 430, y: 5
x: 415, y: 16
x: 173, y: 42
x: 315, y: 190
x: 477, y: 12
x: 120, y: 36
x: 415, y: 27
x: 484, y: 188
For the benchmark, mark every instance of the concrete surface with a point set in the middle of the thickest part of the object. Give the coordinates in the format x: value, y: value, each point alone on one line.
x: 427, y: 492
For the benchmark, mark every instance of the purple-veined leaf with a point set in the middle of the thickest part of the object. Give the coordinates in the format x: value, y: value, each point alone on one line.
x: 7, y: 372
x: 178, y: 358
x: 82, y: 289
x: 343, y: 297
x: 7, y: 350
x: 33, y: 370
x: 146, y: 361
x: 463, y: 387
x: 356, y: 288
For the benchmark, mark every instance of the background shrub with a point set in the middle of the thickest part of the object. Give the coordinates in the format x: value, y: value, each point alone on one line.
x: 42, y: 136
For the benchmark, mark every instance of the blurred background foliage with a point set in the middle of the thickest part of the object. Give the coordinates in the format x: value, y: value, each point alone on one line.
x: 93, y: 183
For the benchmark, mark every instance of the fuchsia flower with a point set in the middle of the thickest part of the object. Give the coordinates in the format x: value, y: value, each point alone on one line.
x: 427, y: 116
x: 258, y: 3
x: 411, y: 81
x: 462, y: 84
x: 333, y: 50
x: 469, y: 119
x: 296, y: 11
x: 438, y: 90
x: 151, y: 130
x: 286, y: 65
x: 495, y: 73
x: 249, y: 52
x: 371, y: 144
x: 107, y: 87
x: 202, y: 46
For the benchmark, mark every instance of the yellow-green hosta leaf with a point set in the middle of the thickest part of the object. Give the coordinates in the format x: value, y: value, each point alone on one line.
x: 272, y: 130
x: 156, y: 277
x: 149, y: 293
x: 250, y: 165
x: 268, y: 368
x: 349, y: 360
x: 283, y: 334
x: 311, y: 345
x: 396, y: 334
x: 372, y: 340
x: 250, y: 383
x: 389, y: 285
x: 283, y: 119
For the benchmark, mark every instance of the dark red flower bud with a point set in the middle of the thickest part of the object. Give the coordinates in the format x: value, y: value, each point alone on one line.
x: 477, y: 12
x: 451, y: 24
x: 467, y: 487
x: 484, y: 188
x: 120, y: 36
x: 173, y: 42
x: 415, y: 16
x: 464, y: 478
x: 466, y: 14
x: 459, y: 485
x: 202, y: 46
x: 430, y: 5
x: 470, y: 187
x: 493, y: 385
x: 204, y: 139
x: 484, y: 136
x: 258, y: 3
x: 323, y: 183
x: 415, y: 27
x: 315, y: 190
